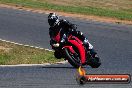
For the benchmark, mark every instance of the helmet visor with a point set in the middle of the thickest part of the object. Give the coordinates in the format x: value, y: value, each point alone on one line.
x: 52, y: 22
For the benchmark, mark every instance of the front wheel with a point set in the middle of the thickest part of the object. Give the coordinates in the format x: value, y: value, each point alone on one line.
x: 73, y: 59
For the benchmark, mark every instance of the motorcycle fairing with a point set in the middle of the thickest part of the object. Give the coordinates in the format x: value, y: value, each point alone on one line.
x: 78, y: 43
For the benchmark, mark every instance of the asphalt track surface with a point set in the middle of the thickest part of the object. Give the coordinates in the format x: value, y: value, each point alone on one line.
x: 113, y: 43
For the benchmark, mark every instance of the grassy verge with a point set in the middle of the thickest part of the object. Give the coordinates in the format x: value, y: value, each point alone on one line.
x: 12, y: 54
x: 87, y: 10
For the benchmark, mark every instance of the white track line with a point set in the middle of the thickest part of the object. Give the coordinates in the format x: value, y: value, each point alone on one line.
x: 24, y: 45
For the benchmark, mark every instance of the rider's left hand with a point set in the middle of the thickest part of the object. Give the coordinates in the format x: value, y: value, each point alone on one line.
x: 56, y: 45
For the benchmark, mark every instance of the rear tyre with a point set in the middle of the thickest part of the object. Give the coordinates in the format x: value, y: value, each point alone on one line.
x: 95, y: 62
x: 74, y: 60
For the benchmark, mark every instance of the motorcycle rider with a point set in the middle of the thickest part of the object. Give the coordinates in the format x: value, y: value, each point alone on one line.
x: 66, y: 28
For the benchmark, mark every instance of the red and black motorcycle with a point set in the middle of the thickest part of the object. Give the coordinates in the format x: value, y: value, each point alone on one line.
x: 73, y: 50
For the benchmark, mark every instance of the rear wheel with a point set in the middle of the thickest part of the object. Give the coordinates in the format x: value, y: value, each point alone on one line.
x: 95, y: 62
x: 73, y: 59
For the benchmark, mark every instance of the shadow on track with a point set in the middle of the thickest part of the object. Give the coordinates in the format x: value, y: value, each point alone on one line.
x: 66, y: 67
x: 59, y: 67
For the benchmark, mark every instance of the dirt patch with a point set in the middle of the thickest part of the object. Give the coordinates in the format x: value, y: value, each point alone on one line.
x: 4, y: 49
x: 80, y: 16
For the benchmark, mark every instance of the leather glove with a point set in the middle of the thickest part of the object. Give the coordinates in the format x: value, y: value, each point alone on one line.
x: 56, y: 45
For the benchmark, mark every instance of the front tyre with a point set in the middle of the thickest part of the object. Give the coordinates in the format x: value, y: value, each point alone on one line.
x: 73, y: 59
x: 57, y: 55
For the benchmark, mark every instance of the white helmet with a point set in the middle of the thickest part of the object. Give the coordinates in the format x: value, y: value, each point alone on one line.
x: 53, y: 19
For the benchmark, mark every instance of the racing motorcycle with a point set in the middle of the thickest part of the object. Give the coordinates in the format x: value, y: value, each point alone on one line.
x: 73, y: 50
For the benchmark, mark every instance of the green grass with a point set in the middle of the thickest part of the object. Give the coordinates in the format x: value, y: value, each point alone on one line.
x: 14, y: 54
x: 87, y: 10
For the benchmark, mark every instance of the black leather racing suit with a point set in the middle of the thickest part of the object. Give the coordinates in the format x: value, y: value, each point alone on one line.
x: 66, y: 28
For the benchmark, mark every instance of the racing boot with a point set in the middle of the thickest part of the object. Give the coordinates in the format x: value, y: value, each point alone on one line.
x: 92, y: 59
x: 89, y: 51
x: 86, y: 45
